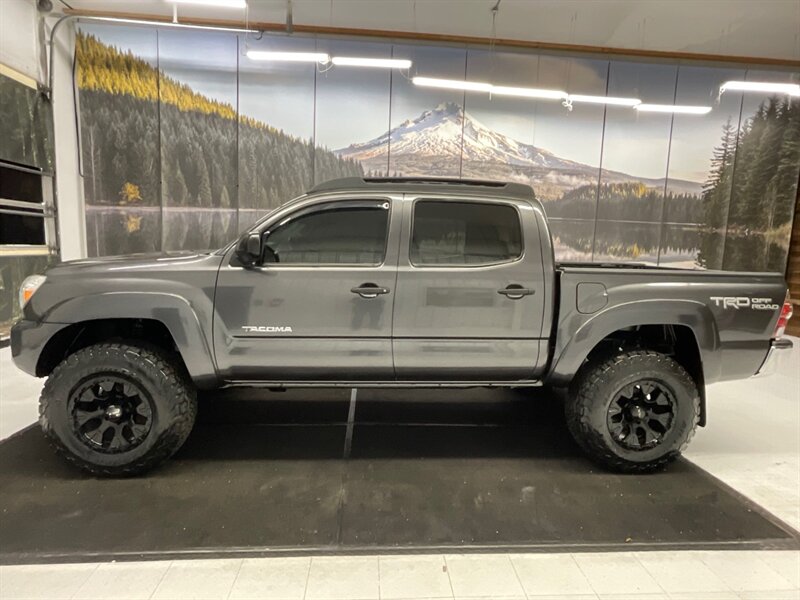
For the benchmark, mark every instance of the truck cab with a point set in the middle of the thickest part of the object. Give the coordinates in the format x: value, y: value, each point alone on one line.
x: 362, y: 281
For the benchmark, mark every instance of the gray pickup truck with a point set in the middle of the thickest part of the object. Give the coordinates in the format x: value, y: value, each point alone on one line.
x: 388, y: 282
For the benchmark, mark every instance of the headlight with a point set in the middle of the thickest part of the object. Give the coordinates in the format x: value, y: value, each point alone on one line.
x: 29, y: 287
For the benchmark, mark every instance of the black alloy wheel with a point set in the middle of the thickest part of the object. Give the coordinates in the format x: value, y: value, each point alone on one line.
x: 111, y: 414
x: 117, y: 409
x: 633, y: 411
x: 641, y: 414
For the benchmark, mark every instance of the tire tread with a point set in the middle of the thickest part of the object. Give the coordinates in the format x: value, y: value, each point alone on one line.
x: 581, y: 402
x: 176, y: 386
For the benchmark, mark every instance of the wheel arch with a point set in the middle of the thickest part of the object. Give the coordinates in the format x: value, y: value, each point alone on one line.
x: 686, y: 329
x: 166, y: 320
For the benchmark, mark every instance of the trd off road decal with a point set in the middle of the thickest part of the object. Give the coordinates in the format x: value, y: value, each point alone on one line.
x: 267, y: 328
x: 738, y: 302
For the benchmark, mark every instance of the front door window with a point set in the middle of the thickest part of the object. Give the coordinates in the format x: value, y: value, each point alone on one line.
x: 342, y: 233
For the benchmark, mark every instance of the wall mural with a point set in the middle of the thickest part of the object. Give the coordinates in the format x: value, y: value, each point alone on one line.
x: 186, y: 142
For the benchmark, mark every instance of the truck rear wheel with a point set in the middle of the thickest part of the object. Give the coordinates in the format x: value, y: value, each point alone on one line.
x: 633, y: 412
x: 117, y: 409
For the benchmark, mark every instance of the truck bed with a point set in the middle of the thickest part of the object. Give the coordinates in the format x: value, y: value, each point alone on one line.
x: 731, y: 314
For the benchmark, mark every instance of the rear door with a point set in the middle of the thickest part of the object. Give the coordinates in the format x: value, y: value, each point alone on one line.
x: 318, y: 305
x: 470, y: 290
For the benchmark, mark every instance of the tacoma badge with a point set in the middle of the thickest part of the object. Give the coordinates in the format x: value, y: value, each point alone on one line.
x: 267, y: 329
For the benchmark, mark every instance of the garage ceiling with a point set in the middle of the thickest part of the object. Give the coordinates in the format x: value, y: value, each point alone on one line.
x: 768, y: 28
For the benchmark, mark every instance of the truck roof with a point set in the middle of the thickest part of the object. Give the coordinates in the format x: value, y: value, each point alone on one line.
x: 437, y: 185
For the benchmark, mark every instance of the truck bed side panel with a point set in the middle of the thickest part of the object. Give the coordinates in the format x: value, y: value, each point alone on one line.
x: 732, y: 315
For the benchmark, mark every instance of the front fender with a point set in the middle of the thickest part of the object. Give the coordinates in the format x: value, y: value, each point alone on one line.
x: 578, y: 334
x: 173, y: 311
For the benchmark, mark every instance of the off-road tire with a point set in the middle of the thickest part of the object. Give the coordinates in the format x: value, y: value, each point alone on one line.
x: 587, y: 403
x: 162, y: 378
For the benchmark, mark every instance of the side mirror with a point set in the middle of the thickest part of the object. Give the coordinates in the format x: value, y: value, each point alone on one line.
x: 249, y: 250
x: 253, y: 245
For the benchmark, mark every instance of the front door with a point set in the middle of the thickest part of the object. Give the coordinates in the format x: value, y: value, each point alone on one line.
x: 470, y: 291
x: 318, y: 304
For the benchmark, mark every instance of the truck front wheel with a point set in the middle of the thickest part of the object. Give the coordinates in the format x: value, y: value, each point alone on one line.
x: 117, y: 409
x: 633, y: 412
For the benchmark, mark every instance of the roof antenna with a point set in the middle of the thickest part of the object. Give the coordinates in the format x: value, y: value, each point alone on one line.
x: 289, y: 22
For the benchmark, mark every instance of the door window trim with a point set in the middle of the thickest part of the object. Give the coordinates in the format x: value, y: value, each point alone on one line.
x: 349, y: 202
x: 457, y: 200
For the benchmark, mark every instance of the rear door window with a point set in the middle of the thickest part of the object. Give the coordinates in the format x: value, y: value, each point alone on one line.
x: 464, y: 233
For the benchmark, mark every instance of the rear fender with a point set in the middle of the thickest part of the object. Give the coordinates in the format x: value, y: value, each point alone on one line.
x: 579, y: 334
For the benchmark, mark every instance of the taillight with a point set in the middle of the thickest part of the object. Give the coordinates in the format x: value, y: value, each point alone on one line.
x: 783, y: 319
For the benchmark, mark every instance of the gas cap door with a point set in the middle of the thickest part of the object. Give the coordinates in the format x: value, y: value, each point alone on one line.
x: 591, y: 297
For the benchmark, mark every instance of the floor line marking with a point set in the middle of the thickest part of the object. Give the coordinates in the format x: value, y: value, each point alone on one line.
x: 351, y: 415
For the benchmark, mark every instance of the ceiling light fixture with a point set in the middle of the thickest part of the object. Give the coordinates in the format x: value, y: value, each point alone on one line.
x: 168, y: 24
x: 673, y: 108
x: 380, y: 63
x: 792, y: 89
x: 219, y: 3
x: 313, y: 57
x: 604, y: 100
x: 452, y: 84
x: 522, y: 92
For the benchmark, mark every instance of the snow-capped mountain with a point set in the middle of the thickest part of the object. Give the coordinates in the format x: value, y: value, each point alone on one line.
x: 438, y: 132
x: 432, y: 143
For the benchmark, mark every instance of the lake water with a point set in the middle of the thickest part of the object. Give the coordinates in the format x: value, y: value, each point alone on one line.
x: 123, y: 230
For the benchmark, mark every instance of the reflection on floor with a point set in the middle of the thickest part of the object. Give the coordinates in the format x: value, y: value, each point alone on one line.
x: 752, y: 443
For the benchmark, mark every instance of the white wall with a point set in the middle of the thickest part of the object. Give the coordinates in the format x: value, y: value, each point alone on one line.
x: 19, y: 48
x: 69, y: 184
x: 757, y: 28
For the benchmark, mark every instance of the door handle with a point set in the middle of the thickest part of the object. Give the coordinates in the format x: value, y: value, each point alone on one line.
x: 515, y: 291
x: 369, y: 290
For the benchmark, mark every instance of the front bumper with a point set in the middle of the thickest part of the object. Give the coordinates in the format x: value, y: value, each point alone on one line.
x: 768, y: 366
x: 28, y: 339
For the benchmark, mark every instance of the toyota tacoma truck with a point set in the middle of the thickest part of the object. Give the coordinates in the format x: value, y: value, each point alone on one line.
x: 389, y: 282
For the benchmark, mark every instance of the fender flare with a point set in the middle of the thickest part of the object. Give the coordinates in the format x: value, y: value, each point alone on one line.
x: 567, y: 359
x: 173, y: 311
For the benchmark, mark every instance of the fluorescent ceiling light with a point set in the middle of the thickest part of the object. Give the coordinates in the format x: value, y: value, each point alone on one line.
x: 604, y: 100
x: 452, y: 84
x: 381, y: 63
x: 167, y: 24
x: 220, y: 3
x: 673, y: 108
x: 502, y: 90
x: 315, y: 57
x: 792, y: 89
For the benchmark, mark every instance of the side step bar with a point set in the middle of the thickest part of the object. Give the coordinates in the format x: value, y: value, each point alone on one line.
x: 381, y: 384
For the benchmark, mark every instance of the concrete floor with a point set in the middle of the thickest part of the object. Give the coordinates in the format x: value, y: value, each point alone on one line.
x: 752, y: 443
